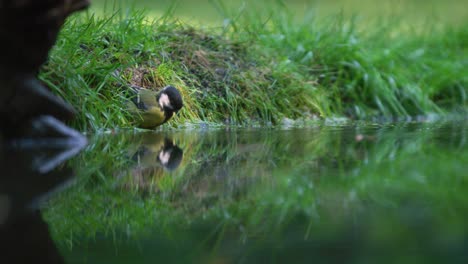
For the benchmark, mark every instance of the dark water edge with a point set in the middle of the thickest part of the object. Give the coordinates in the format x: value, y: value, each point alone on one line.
x: 360, y: 193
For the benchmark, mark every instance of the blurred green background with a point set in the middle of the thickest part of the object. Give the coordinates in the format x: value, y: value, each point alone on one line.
x: 208, y: 11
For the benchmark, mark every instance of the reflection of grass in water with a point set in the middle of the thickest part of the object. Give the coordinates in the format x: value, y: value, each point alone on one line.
x: 328, y: 181
x: 104, y: 203
x: 101, y: 198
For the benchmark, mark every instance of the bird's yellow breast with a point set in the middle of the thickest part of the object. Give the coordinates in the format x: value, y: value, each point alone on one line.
x: 151, y: 117
x: 147, y: 109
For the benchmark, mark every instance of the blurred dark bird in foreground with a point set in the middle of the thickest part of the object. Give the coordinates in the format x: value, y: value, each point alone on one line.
x: 30, y: 100
x: 28, y: 30
x: 34, y: 143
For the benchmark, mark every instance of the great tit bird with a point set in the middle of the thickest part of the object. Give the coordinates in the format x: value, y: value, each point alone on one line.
x: 154, y: 108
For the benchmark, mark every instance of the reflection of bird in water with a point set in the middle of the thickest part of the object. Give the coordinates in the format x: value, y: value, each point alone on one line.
x: 154, y: 108
x: 154, y: 155
x: 155, y: 151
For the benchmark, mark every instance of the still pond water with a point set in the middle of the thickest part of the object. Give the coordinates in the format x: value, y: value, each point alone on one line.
x: 393, y: 192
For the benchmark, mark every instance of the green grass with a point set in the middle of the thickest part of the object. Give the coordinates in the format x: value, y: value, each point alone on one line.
x: 260, y: 66
x: 205, y: 13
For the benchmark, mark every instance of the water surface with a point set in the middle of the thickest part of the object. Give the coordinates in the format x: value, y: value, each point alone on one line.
x: 354, y: 192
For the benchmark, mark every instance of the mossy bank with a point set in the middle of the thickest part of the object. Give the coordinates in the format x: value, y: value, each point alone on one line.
x: 259, y: 69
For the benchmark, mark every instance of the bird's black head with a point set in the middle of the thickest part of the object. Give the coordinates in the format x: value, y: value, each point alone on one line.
x: 170, y: 99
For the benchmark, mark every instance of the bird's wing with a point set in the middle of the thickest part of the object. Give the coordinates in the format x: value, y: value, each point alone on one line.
x: 144, y: 99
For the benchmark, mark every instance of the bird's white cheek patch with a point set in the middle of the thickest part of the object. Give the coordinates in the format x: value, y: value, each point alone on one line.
x: 164, y: 157
x: 164, y: 100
